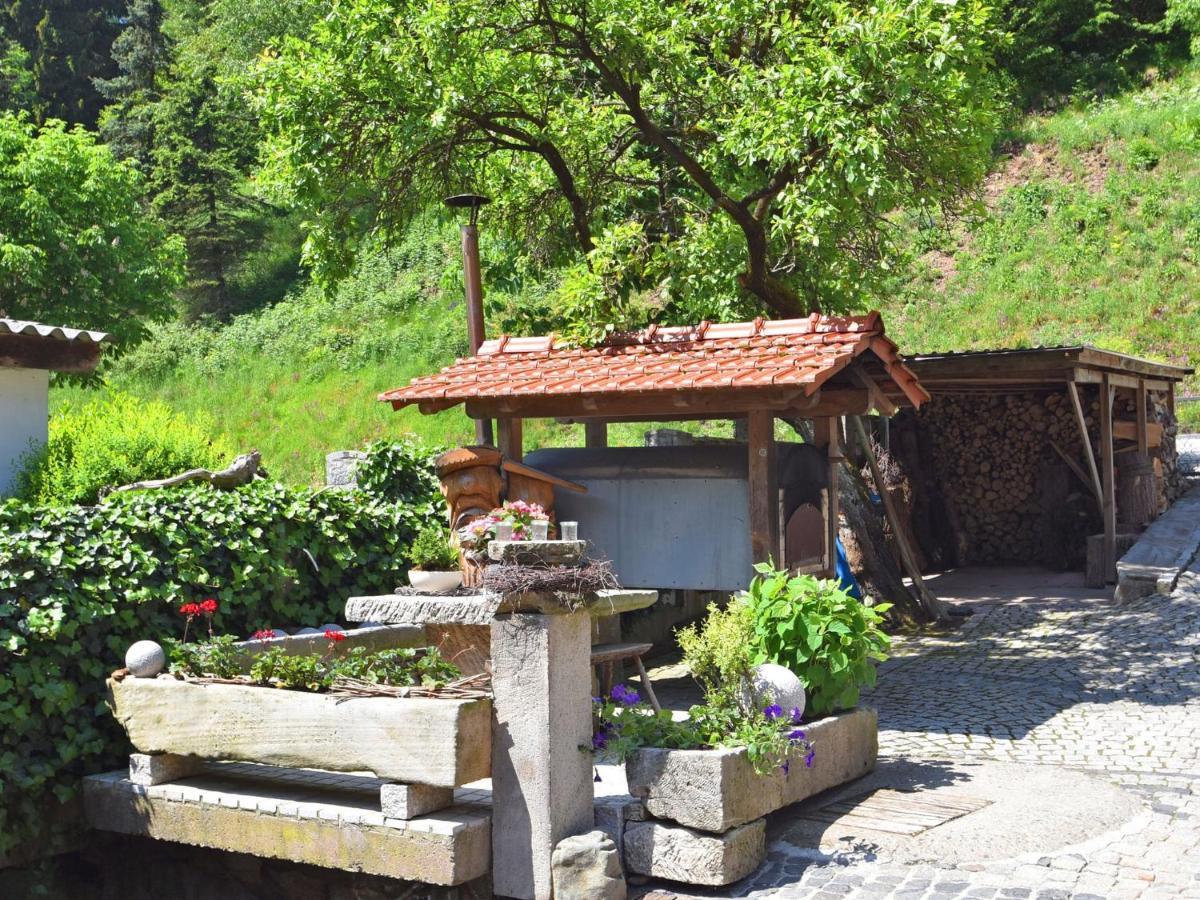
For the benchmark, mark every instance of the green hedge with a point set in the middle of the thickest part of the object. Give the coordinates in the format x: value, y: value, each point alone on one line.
x: 79, y: 584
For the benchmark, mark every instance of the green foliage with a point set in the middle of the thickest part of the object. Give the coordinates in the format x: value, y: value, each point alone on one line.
x: 432, y: 552
x: 67, y: 47
x: 816, y: 629
x: 402, y: 472
x: 403, y: 667
x: 720, y: 652
x: 141, y: 52
x: 78, y: 247
x: 216, y: 657
x: 114, y: 440
x: 1185, y: 15
x: 771, y: 738
x: 78, y: 585
x: 755, y: 148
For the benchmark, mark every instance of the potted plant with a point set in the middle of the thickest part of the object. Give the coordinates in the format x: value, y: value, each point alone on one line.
x: 434, y: 562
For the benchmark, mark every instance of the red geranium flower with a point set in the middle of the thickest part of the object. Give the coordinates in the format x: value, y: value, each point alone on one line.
x: 209, y: 606
x: 189, y: 609
x: 263, y: 634
x: 334, y: 636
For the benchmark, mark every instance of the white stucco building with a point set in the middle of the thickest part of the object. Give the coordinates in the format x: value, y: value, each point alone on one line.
x: 29, y: 352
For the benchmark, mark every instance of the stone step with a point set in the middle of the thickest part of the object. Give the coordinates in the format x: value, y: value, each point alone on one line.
x: 1163, y: 552
x: 297, y: 820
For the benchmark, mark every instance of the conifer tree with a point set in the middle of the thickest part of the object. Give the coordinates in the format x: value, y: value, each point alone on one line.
x: 141, y: 52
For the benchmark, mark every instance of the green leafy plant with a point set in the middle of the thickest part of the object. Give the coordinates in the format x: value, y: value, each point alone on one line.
x: 299, y: 671
x: 114, y: 440
x: 720, y: 652
x: 78, y: 585
x: 216, y: 657
x: 1142, y: 153
x: 431, y: 551
x: 813, y: 627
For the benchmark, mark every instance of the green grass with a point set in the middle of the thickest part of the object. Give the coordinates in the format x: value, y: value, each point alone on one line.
x: 1097, y: 240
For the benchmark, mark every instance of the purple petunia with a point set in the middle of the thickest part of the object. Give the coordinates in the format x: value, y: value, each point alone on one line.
x: 796, y: 715
x: 624, y: 695
x: 773, y: 712
x: 808, y: 760
x: 600, y: 739
x: 796, y: 735
x: 786, y: 766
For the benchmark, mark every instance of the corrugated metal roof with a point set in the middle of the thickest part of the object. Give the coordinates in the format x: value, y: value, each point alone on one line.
x: 52, y: 332
x: 707, y: 357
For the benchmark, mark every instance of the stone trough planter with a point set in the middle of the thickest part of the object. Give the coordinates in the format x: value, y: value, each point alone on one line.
x: 717, y: 790
x: 440, y: 742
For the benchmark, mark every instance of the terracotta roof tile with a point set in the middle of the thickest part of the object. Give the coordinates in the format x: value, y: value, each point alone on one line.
x: 705, y: 357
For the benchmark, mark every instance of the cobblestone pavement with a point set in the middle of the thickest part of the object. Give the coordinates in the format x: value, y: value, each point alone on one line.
x: 1112, y: 690
x: 1188, y: 446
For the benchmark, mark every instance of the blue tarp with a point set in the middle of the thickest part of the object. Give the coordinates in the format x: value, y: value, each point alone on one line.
x: 844, y: 576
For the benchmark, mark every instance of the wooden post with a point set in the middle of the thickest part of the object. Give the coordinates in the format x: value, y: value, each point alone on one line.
x: 1108, y: 507
x: 1088, y: 455
x: 1143, y: 435
x: 511, y: 439
x: 764, y: 491
x: 826, y: 433
x: 595, y: 434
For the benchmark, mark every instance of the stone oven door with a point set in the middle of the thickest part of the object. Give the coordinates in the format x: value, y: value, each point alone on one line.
x: 804, y: 539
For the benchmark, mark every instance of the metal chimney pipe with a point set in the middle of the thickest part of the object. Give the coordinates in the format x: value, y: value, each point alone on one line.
x: 473, y: 280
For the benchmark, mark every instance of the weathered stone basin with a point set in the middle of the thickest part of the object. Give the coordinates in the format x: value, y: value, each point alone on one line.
x: 716, y: 790
x: 439, y: 742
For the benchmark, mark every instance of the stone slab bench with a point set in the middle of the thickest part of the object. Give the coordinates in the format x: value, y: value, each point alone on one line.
x: 314, y: 818
x: 1153, y: 564
x: 480, y: 609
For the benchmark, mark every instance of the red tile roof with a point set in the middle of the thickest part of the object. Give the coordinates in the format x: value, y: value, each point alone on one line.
x: 792, y: 353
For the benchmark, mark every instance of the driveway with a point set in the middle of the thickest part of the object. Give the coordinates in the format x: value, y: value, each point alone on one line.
x: 1063, y: 727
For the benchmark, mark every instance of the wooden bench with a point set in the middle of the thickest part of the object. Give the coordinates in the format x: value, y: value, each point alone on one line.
x: 607, y: 655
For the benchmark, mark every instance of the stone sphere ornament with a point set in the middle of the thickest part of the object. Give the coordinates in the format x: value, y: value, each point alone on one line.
x: 771, y: 683
x: 145, y: 659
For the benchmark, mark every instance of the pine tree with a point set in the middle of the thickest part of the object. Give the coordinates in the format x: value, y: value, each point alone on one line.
x: 201, y: 150
x: 141, y: 52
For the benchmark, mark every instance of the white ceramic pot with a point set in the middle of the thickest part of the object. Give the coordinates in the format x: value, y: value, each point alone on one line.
x: 434, y: 582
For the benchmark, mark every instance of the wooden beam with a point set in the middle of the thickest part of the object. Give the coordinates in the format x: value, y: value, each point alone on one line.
x: 826, y: 434
x: 595, y: 433
x: 1108, y: 507
x: 664, y: 405
x: 764, y: 490
x: 511, y: 439
x: 1077, y: 469
x: 538, y: 475
x: 878, y: 399
x: 1088, y: 455
x: 25, y: 351
x: 934, y: 608
x: 1093, y: 376
x: 1139, y: 404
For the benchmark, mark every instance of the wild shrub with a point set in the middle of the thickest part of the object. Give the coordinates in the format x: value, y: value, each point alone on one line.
x: 115, y: 440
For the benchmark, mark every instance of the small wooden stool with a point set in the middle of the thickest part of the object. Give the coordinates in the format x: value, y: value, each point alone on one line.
x: 606, y: 655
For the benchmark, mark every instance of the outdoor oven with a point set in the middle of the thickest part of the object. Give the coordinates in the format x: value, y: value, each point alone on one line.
x: 678, y: 517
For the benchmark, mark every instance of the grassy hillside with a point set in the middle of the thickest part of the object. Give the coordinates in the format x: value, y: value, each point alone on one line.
x: 1090, y: 232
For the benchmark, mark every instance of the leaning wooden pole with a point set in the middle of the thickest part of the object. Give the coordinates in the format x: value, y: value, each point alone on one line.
x: 934, y: 608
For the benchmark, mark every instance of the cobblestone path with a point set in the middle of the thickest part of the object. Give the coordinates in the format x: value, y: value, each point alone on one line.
x: 1109, y: 689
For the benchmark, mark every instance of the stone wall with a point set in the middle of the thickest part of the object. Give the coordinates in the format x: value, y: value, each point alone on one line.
x: 980, y: 478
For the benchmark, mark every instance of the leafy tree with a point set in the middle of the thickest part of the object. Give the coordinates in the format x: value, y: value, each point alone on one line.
x: 709, y: 145
x: 16, y: 77
x: 69, y: 44
x: 141, y: 52
x: 79, y: 248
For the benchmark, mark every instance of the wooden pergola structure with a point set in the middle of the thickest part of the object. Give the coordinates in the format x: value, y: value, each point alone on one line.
x: 1068, y: 368
x: 817, y: 368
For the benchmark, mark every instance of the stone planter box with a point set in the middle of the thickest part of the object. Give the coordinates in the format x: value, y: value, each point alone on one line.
x: 445, y: 743
x: 716, y: 790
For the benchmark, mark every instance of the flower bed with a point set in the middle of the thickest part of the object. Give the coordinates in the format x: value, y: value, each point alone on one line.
x: 716, y: 790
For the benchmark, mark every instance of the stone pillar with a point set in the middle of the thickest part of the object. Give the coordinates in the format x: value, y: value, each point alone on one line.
x: 341, y: 468
x: 541, y: 780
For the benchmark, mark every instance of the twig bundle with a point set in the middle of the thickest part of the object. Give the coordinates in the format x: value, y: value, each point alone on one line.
x: 572, y: 586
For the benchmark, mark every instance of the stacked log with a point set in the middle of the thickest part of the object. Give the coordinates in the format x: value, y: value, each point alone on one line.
x: 993, y: 455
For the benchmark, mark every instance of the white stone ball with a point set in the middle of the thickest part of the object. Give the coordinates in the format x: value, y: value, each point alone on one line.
x: 145, y: 659
x: 278, y: 632
x: 771, y: 683
x: 330, y: 626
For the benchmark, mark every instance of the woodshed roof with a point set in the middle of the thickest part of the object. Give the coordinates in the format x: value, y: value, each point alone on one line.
x: 32, y: 345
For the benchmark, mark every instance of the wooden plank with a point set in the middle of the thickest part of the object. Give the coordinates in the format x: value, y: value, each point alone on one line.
x: 602, y: 653
x: 1150, y: 432
x: 517, y: 468
x: 1108, y: 507
x: 1085, y: 439
x: 511, y: 438
x: 595, y: 433
x: 1139, y: 404
x: 764, y: 490
x: 825, y: 433
x: 933, y: 607
x: 879, y: 400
